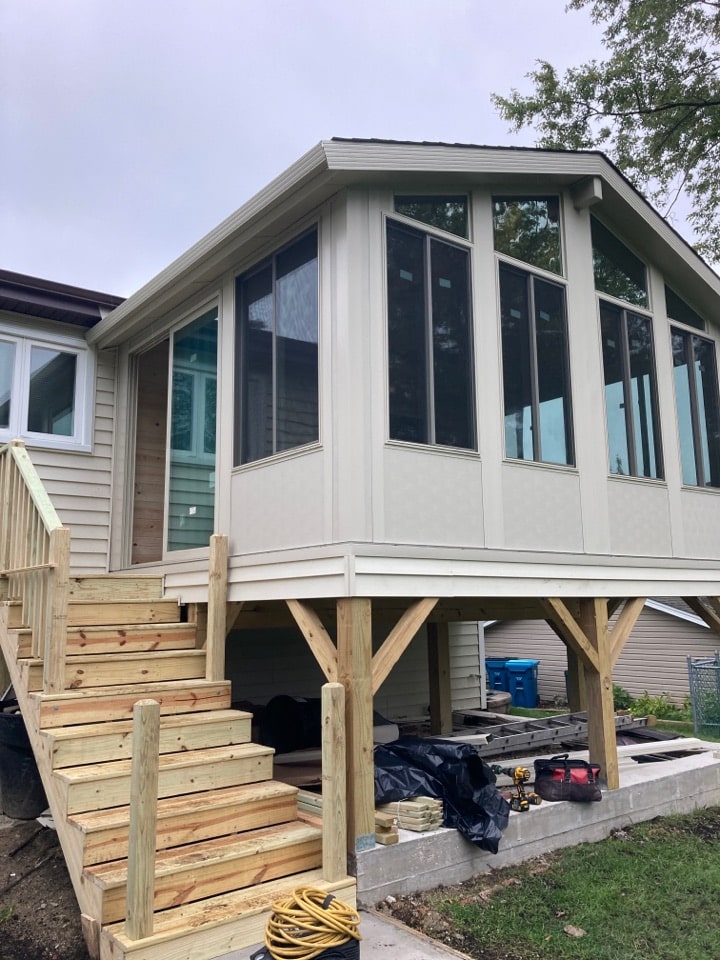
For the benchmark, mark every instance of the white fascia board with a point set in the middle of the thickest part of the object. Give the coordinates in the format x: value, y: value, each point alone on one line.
x: 107, y: 332
x: 674, y: 612
x: 342, y: 162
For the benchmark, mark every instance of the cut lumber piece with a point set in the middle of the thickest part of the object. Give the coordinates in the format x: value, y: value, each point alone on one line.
x: 134, y: 638
x: 197, y: 871
x: 102, y: 785
x: 387, y: 837
x: 116, y: 703
x: 211, y: 928
x: 107, y: 670
x: 120, y: 586
x: 93, y: 743
x: 103, y: 834
x: 90, y: 612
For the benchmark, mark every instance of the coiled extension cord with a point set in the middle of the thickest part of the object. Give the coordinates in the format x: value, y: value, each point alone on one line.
x: 307, y: 923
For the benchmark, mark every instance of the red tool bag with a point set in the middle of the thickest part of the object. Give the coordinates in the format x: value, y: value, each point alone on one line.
x: 559, y: 778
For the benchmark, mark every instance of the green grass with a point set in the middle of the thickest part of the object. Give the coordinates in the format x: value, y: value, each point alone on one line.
x: 648, y: 893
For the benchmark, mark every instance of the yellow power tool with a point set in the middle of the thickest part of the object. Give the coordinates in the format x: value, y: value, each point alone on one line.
x: 519, y: 776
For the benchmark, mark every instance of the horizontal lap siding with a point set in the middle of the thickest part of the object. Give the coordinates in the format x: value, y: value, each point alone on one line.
x: 654, y: 658
x: 79, y: 484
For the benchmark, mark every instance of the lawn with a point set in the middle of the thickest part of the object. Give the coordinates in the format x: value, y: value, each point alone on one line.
x: 649, y: 892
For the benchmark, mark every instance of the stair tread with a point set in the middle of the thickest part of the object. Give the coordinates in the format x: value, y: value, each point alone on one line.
x: 209, y: 852
x: 119, y: 727
x: 75, y: 659
x: 226, y: 909
x: 85, y: 693
x: 172, y: 806
x: 87, y: 773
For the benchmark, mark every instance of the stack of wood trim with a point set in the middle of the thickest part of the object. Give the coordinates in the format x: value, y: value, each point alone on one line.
x: 417, y: 813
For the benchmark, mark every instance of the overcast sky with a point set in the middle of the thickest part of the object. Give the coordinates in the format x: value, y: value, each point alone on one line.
x: 130, y: 128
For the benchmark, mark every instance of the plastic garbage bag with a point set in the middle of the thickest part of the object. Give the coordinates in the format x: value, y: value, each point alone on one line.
x: 450, y: 771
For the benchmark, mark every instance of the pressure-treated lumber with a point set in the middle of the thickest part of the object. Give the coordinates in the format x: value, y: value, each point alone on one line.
x: 334, y: 834
x: 216, y: 608
x: 441, y: 721
x: 143, y: 817
x: 317, y: 638
x: 602, y: 742
x: 398, y: 639
x: 110, y: 670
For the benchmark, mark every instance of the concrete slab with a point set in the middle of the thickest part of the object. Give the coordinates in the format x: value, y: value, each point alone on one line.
x: 383, y: 937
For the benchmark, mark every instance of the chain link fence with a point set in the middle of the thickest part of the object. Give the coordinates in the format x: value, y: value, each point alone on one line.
x: 704, y: 677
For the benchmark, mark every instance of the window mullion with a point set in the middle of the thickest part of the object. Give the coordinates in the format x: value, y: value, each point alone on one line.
x: 694, y: 410
x: 534, y: 378
x: 429, y: 344
x: 627, y: 394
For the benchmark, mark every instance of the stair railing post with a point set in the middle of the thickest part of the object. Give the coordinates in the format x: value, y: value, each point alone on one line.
x: 142, y: 840
x: 217, y: 608
x: 334, y: 800
x: 56, y: 611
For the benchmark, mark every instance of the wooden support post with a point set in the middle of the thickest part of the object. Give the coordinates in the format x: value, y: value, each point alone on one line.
x: 439, y: 674
x: 217, y: 608
x: 55, y: 621
x: 602, y: 742
x: 577, y: 695
x: 143, y: 819
x: 354, y: 630
x: 334, y: 780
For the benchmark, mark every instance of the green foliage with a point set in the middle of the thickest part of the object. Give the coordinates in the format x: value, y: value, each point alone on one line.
x: 648, y: 891
x: 658, y: 706
x: 622, y: 699
x: 653, y: 105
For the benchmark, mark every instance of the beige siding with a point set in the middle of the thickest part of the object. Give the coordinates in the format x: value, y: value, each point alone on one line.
x: 79, y: 484
x: 654, y: 658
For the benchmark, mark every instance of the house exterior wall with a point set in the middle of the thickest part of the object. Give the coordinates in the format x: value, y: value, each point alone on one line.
x: 654, y: 658
x: 80, y: 484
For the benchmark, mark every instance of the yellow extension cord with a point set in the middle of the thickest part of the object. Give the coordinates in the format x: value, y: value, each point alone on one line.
x: 308, y: 922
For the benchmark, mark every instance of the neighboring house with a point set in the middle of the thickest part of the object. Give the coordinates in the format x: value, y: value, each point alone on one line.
x: 416, y: 386
x: 654, y: 658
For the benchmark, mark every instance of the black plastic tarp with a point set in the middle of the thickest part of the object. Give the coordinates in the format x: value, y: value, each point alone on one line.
x: 450, y: 771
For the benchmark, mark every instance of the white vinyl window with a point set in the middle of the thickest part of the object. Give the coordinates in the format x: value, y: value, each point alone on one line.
x: 45, y: 390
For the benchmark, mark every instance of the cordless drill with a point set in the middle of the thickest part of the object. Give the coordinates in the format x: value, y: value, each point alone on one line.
x: 519, y: 777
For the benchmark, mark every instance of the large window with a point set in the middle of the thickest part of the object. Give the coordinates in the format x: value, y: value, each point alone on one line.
x: 630, y: 393
x: 278, y: 353
x: 528, y: 229
x: 429, y: 339
x: 536, y: 381
x: 696, y: 395
x: 45, y: 387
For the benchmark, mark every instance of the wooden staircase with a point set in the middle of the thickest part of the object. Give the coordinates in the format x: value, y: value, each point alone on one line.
x: 229, y: 840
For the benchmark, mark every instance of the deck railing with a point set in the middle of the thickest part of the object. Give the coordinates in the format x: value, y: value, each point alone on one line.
x: 35, y: 559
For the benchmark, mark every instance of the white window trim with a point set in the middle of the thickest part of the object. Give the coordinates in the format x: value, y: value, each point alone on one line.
x: 25, y: 338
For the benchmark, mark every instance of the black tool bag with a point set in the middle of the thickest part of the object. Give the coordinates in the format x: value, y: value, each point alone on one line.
x: 559, y: 778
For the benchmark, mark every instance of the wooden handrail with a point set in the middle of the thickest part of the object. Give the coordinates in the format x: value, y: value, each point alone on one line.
x: 35, y: 559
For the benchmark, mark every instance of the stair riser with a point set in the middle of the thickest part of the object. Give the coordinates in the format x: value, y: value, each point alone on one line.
x: 68, y: 710
x: 95, y: 749
x: 93, y: 640
x: 124, y: 613
x: 114, y: 671
x: 115, y: 791
x: 193, y: 826
x: 121, y: 587
x: 200, y: 880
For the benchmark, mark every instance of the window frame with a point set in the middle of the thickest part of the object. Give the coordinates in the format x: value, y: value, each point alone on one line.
x: 531, y: 275
x: 25, y: 339
x: 629, y: 410
x: 429, y: 234
x: 241, y: 402
x: 690, y: 334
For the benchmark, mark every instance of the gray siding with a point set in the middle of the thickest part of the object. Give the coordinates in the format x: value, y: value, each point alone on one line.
x: 654, y: 657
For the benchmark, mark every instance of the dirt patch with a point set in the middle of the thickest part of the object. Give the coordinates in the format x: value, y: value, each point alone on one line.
x: 39, y: 914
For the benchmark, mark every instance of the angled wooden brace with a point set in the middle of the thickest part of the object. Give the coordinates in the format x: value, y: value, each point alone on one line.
x: 317, y: 638
x: 398, y: 639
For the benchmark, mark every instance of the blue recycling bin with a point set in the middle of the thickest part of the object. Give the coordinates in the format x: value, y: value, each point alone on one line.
x: 522, y: 682
x: 497, y: 675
